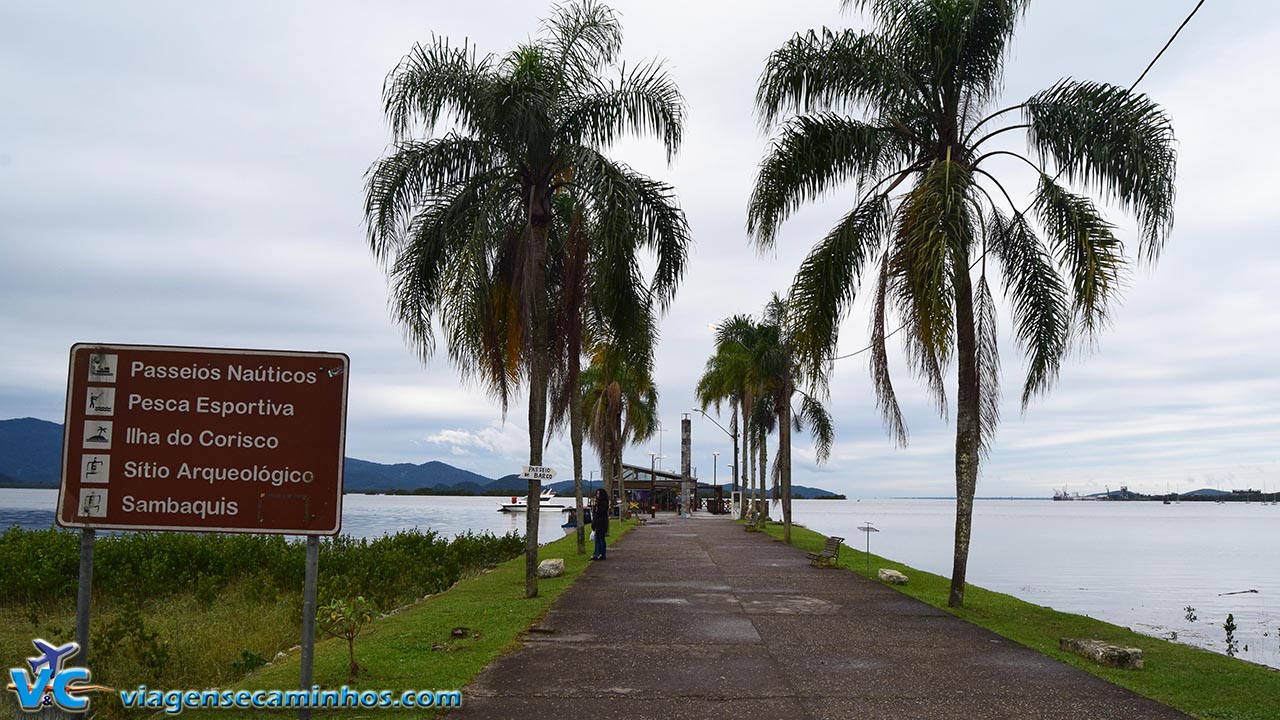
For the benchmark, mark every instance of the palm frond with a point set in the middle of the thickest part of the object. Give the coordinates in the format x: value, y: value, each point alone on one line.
x: 643, y: 101
x: 1112, y: 141
x: 988, y: 365
x: 1041, y: 310
x: 812, y: 156
x: 418, y: 262
x: 416, y: 172
x: 935, y: 234
x: 886, y: 400
x: 433, y: 82
x: 813, y: 415
x: 635, y: 211
x: 522, y: 104
x: 585, y: 37
x: 964, y: 43
x: 827, y: 282
x: 1085, y: 247
x: 830, y: 70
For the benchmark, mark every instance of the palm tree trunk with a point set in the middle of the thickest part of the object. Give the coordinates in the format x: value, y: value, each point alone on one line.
x: 606, y: 464
x: 784, y: 461
x: 742, y: 462
x: 966, y: 431
x: 573, y: 296
x: 762, y: 478
x: 539, y: 376
x: 617, y: 466
x: 623, y: 505
x: 748, y: 453
x: 575, y: 438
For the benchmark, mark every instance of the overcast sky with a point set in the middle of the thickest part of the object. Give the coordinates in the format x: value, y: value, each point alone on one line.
x: 191, y: 174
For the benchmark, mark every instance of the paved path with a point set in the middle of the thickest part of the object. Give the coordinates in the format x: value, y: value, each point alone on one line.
x: 698, y: 619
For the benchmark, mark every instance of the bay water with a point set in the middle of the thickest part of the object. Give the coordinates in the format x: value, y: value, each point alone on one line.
x: 1136, y: 564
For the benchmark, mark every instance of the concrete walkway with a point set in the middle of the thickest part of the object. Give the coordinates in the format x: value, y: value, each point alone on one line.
x: 698, y: 619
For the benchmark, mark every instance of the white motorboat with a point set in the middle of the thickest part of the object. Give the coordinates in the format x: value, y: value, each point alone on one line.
x: 547, y: 501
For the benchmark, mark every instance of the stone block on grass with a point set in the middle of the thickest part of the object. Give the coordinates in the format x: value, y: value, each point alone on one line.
x: 553, y: 567
x: 1103, y: 653
x: 893, y: 577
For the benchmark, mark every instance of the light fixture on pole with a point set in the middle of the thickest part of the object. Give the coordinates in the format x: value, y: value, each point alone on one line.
x: 868, y: 529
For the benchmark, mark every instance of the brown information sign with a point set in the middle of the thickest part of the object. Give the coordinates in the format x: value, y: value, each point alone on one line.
x: 201, y: 439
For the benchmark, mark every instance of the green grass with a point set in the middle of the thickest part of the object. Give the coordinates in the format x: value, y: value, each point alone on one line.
x: 1198, y: 682
x: 201, y: 640
x: 396, y: 652
x: 182, y: 610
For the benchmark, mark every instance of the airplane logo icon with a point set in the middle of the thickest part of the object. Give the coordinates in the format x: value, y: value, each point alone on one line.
x: 50, y: 682
x: 53, y: 657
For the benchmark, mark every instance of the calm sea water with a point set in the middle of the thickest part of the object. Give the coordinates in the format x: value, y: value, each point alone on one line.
x: 1137, y: 564
x: 1134, y: 564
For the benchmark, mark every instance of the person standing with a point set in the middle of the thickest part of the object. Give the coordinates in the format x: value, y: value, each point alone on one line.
x: 600, y: 522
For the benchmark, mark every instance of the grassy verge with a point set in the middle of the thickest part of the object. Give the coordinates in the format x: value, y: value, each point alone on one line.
x: 415, y: 649
x: 1200, y: 683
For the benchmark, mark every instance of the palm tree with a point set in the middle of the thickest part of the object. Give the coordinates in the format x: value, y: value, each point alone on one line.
x: 594, y: 302
x: 755, y: 368
x: 621, y: 405
x: 464, y: 218
x: 726, y: 378
x: 781, y: 374
x: 926, y: 82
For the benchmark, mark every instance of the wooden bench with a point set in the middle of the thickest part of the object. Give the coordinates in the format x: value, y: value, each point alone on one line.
x: 755, y: 524
x: 827, y: 557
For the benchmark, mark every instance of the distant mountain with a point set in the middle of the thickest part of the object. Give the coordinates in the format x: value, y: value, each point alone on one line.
x: 802, y: 491
x: 30, y: 452
x: 1205, y: 492
x: 365, y: 476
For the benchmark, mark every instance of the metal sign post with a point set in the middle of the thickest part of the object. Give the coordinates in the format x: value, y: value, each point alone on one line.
x: 310, y: 579
x: 83, y: 594
x: 868, y: 529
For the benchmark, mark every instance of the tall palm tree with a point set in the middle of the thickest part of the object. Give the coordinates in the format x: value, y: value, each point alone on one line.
x: 464, y: 218
x: 755, y: 367
x: 924, y: 84
x: 726, y: 378
x: 621, y: 406
x: 595, y: 307
x: 783, y: 375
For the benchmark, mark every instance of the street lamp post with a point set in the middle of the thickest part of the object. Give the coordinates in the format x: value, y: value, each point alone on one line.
x: 733, y: 435
x: 653, y: 507
x: 715, y: 482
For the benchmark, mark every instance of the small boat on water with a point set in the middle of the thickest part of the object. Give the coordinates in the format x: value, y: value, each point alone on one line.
x: 548, y: 501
